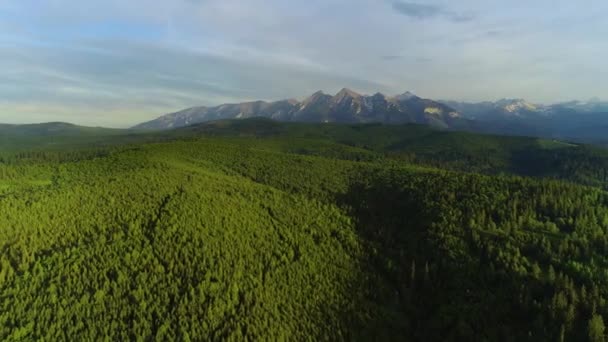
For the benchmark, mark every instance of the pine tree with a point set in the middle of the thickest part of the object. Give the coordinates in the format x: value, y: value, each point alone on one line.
x: 596, y: 328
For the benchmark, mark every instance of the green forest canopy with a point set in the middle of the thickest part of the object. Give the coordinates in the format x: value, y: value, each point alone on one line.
x: 267, y: 231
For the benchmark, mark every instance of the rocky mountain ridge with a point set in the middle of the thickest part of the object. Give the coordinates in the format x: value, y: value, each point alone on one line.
x: 346, y: 106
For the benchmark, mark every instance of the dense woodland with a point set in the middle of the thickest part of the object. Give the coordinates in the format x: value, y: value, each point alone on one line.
x: 263, y: 231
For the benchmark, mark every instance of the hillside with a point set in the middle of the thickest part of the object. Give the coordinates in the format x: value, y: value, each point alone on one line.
x: 52, y: 135
x: 422, y: 145
x: 261, y: 230
x: 410, y: 143
x: 53, y: 128
x: 256, y: 229
x: 64, y: 138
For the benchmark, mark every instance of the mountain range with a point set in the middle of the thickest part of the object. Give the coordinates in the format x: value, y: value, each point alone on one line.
x: 346, y: 106
x: 574, y: 120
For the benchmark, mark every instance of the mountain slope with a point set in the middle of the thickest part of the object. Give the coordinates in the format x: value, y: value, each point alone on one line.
x: 257, y: 230
x: 346, y: 106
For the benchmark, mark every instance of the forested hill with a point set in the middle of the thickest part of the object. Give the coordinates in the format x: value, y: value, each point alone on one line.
x: 53, y: 135
x: 423, y: 145
x: 254, y: 230
x: 410, y: 143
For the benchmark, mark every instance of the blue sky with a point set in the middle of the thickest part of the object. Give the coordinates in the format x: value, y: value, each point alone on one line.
x: 116, y: 63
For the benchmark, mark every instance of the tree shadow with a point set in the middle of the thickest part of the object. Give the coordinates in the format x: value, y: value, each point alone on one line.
x: 423, y: 278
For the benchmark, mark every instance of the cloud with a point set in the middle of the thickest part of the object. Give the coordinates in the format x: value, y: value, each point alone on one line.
x: 414, y: 10
x: 400, y: 58
x: 423, y: 60
x: 425, y: 11
x: 460, y: 17
x: 116, y: 62
x: 103, y: 81
x: 392, y: 57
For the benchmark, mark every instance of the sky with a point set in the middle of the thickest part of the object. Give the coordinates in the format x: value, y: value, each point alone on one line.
x: 116, y: 63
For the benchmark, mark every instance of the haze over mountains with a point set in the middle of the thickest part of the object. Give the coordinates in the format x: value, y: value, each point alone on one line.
x: 575, y: 120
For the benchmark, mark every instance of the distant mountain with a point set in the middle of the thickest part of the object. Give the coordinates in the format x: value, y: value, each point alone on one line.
x: 505, y: 108
x: 57, y: 135
x: 593, y: 105
x: 346, y: 106
x: 54, y: 129
x: 575, y: 120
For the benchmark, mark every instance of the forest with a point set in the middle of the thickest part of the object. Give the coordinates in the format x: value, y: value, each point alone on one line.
x: 257, y: 230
